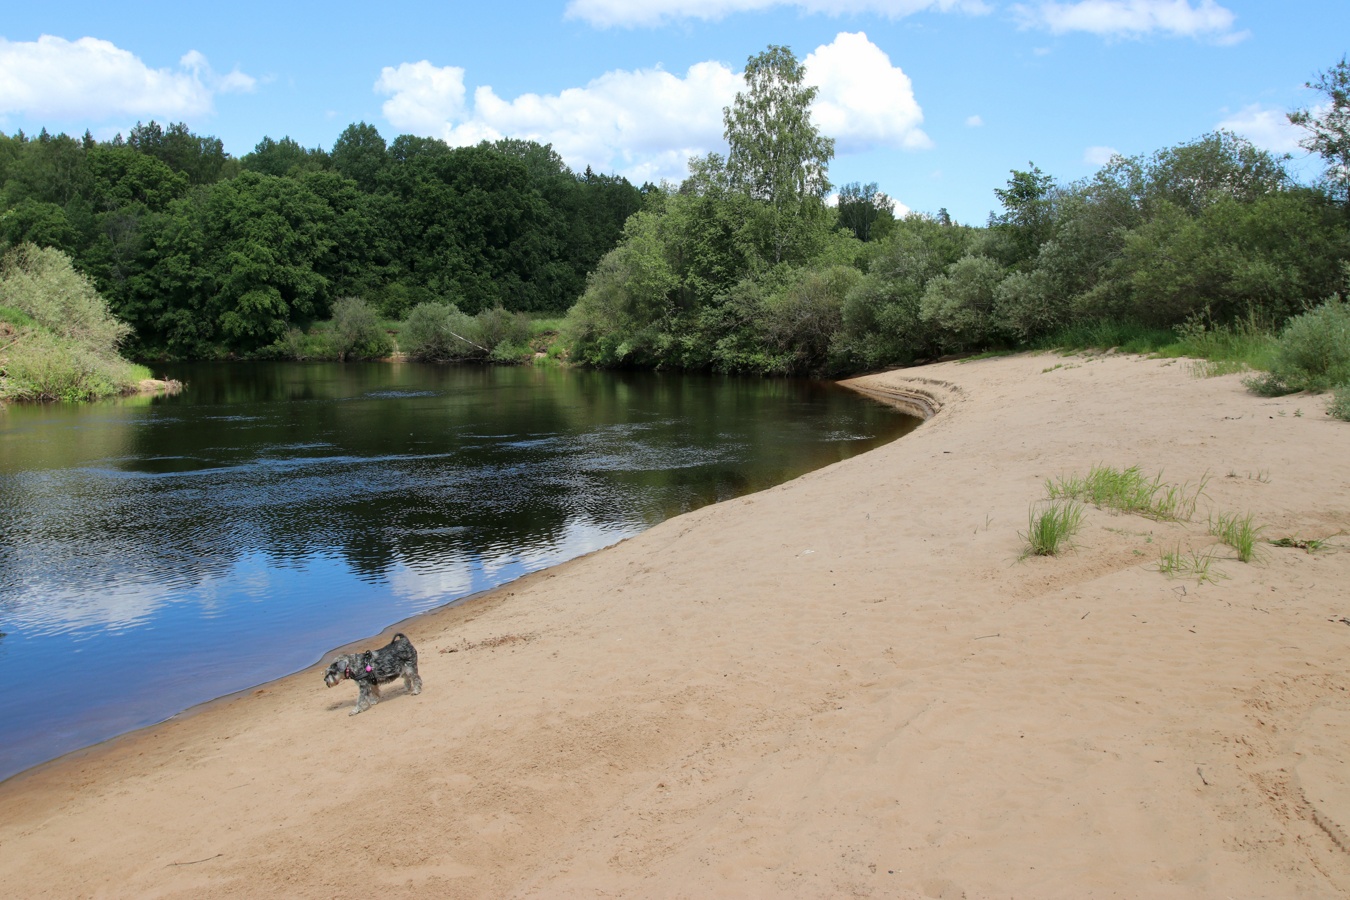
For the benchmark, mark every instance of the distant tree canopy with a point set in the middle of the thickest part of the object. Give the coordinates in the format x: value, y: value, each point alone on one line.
x: 203, y: 254
x: 742, y: 269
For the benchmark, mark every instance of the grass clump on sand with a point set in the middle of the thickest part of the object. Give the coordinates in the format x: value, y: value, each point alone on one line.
x: 1195, y: 564
x: 1049, y: 528
x: 1237, y: 532
x: 1129, y: 490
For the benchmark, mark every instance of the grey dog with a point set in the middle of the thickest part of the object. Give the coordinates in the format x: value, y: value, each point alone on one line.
x: 376, y: 667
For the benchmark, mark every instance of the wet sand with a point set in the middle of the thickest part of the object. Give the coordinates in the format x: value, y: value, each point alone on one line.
x: 848, y: 685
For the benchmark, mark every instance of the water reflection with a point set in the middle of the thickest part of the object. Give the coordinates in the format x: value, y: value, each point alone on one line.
x: 230, y: 534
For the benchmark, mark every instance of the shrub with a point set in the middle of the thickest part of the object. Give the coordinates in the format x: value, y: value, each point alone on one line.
x: 439, y: 331
x: 60, y: 341
x: 356, y: 331
x: 497, y: 329
x: 1340, y: 403
x: 1313, y: 353
x: 41, y: 282
x: 960, y: 304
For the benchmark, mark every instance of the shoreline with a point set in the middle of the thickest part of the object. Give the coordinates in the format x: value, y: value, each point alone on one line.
x: 846, y: 684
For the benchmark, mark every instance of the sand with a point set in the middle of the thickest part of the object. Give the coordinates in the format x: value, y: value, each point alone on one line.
x: 848, y: 685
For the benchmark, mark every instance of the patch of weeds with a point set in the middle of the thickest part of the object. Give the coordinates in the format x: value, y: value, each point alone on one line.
x: 1131, y: 491
x: 1339, y: 408
x: 1049, y: 529
x: 1195, y: 564
x: 1237, y: 532
x: 1311, y: 545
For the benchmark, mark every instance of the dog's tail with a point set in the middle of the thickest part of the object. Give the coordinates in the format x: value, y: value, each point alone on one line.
x: 403, y: 647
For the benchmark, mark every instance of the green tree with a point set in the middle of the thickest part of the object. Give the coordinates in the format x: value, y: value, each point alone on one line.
x: 359, y: 154
x: 865, y: 211
x: 1028, y: 213
x: 1329, y: 128
x: 776, y: 154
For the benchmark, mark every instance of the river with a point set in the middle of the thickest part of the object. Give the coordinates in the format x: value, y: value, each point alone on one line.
x: 156, y: 553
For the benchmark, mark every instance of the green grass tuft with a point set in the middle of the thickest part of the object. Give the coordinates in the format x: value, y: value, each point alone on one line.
x: 1049, y: 529
x: 1130, y: 490
x: 1237, y: 532
x: 1195, y: 564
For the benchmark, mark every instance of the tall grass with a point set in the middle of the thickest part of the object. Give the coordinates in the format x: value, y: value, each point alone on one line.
x: 1237, y: 532
x: 1049, y: 528
x: 1130, y: 490
x: 1196, y: 564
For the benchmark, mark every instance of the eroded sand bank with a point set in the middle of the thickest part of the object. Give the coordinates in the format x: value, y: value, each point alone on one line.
x: 847, y: 685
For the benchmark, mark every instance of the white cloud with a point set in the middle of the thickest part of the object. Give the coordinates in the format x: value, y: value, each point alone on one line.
x: 864, y: 101
x: 646, y: 124
x: 1099, y: 156
x: 974, y: 122
x: 638, y: 13
x: 95, y: 80
x: 1268, y: 129
x: 1134, y: 18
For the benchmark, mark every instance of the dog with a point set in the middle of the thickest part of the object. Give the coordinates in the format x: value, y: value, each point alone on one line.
x: 376, y: 667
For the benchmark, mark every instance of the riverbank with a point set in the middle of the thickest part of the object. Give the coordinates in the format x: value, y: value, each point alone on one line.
x: 845, y: 685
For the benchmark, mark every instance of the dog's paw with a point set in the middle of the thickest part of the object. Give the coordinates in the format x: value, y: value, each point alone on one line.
x: 355, y: 711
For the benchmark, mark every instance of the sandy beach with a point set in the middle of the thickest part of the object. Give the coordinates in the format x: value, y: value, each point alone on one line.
x: 849, y: 685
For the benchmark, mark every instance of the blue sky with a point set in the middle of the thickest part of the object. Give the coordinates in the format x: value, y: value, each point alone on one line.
x: 935, y: 100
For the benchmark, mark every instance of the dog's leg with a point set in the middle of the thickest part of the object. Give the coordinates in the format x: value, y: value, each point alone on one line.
x: 412, y: 681
x: 369, y: 695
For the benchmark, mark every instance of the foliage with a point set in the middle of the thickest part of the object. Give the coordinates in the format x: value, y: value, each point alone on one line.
x: 777, y: 155
x: 58, y: 341
x: 1313, y: 352
x: 357, y: 333
x: 435, y: 332
x: 865, y: 211
x: 1339, y: 408
x: 209, y: 256
x: 1328, y: 126
x: 43, y: 283
x: 960, y: 303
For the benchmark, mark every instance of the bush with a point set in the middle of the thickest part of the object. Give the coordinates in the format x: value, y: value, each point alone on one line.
x: 439, y: 331
x: 497, y: 329
x: 799, y: 321
x: 961, y: 303
x: 60, y: 341
x: 41, y: 282
x: 356, y: 331
x: 1340, y: 403
x: 1313, y: 353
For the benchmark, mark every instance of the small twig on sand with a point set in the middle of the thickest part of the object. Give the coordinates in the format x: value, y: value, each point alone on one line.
x: 195, y: 861
x: 1203, y: 779
x: 983, y: 636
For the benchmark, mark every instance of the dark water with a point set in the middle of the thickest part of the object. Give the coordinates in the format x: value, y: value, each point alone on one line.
x: 158, y: 553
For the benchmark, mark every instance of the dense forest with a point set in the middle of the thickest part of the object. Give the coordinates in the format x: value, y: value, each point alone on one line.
x: 205, y: 255
x: 742, y: 267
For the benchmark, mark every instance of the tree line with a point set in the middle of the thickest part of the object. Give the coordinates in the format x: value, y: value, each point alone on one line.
x: 742, y: 268
x: 206, y: 255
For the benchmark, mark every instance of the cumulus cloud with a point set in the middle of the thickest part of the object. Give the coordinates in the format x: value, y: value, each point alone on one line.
x: 1134, y: 18
x: 1099, y: 156
x: 864, y: 101
x: 94, y: 80
x: 1267, y: 128
x: 649, y: 13
x: 974, y: 122
x: 646, y: 124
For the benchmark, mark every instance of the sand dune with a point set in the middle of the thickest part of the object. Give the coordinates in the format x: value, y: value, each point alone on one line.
x: 849, y: 685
